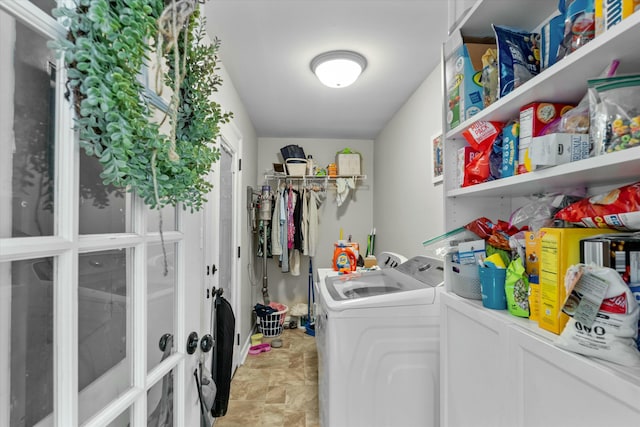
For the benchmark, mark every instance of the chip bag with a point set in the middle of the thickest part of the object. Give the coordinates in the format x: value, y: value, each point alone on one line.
x: 516, y: 287
x: 480, y: 135
x: 518, y: 57
x: 618, y: 209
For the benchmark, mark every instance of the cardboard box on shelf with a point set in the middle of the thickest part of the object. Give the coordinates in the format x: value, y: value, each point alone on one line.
x: 559, y: 249
x: 463, y: 67
x: 611, y: 12
x: 558, y: 148
x: 533, y: 118
x: 348, y: 164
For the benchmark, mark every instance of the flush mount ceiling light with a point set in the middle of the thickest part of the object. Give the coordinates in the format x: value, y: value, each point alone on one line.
x: 338, y: 68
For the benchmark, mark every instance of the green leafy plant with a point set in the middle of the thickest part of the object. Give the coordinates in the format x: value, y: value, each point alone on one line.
x: 107, y: 45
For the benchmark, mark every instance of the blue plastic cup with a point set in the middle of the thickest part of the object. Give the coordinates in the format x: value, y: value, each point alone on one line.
x: 492, y: 287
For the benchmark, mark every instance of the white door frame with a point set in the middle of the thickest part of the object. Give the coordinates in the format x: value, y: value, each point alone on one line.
x: 230, y: 140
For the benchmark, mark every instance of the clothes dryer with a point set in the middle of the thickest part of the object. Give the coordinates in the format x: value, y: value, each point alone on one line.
x: 378, y: 345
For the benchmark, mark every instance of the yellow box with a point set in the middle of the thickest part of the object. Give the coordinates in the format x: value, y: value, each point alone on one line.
x: 611, y: 12
x: 348, y: 164
x: 559, y: 249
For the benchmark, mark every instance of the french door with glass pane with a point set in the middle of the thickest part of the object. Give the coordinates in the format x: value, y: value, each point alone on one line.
x: 95, y: 310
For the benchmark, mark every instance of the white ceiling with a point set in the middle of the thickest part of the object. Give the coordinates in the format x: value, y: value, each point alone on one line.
x: 267, y: 45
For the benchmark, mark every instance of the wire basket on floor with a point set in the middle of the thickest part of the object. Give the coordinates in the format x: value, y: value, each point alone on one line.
x: 272, y: 324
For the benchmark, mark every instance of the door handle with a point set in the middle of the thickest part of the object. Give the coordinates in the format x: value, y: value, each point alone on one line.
x: 164, y: 340
x: 206, y: 343
x: 192, y: 343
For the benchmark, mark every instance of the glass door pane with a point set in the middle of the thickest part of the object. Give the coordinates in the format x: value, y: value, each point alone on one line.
x: 27, y: 132
x: 45, y: 5
x: 161, y: 294
x: 103, y: 208
x: 104, y: 362
x: 27, y: 295
x: 160, y: 399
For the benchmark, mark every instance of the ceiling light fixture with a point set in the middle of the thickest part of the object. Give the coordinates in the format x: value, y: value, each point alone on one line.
x: 338, y: 68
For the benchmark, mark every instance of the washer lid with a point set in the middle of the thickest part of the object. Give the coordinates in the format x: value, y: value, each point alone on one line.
x: 429, y: 271
x: 417, y: 273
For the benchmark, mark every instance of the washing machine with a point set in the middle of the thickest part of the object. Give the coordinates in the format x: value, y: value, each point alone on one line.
x: 377, y: 336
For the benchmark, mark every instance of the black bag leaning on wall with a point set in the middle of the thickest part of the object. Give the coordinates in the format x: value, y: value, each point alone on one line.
x: 223, y: 355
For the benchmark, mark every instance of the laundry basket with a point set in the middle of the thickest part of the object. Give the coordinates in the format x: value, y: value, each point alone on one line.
x: 272, y: 324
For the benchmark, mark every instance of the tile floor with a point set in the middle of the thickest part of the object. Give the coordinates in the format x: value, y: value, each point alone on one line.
x: 278, y: 388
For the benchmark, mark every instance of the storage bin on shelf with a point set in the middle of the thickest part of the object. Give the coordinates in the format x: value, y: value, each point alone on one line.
x: 272, y: 324
x: 463, y: 279
x: 296, y: 167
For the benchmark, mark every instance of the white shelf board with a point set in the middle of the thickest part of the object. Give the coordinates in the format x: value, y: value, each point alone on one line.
x: 512, y: 13
x: 313, y: 177
x: 611, y: 168
x: 566, y: 81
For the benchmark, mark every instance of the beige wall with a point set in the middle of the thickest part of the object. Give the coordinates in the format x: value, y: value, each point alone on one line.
x: 408, y: 207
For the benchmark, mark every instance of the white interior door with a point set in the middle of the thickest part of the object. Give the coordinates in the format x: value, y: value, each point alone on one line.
x: 222, y: 226
x: 84, y: 300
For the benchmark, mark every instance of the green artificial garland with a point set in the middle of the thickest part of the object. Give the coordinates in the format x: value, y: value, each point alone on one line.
x: 107, y: 45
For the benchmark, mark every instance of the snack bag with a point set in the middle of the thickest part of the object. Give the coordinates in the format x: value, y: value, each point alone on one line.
x: 618, y: 209
x: 489, y: 77
x: 603, y: 315
x: 516, y: 287
x: 579, y: 25
x: 481, y: 136
x: 495, y: 159
x: 614, y: 108
x: 551, y: 36
x: 518, y: 57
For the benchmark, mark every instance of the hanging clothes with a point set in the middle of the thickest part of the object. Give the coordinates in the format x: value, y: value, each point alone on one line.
x: 284, y: 256
x: 295, y: 229
x: 291, y: 228
x: 294, y: 262
x: 276, y: 246
x: 297, y: 221
x: 315, y: 201
x: 305, y: 221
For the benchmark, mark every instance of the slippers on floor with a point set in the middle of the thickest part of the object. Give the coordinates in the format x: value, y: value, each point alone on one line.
x: 257, y: 349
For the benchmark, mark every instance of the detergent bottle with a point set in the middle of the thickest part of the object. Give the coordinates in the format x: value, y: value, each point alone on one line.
x: 345, y: 258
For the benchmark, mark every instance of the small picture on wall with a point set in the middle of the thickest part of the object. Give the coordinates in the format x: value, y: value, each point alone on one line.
x: 437, y: 160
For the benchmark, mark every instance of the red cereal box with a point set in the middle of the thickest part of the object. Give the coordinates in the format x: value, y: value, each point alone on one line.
x: 534, y: 118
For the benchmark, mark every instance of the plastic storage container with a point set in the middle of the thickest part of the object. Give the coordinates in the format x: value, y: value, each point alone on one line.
x: 462, y: 279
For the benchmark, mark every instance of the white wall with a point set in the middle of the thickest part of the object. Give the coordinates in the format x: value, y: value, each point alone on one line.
x: 228, y: 98
x: 408, y: 207
x: 354, y: 216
